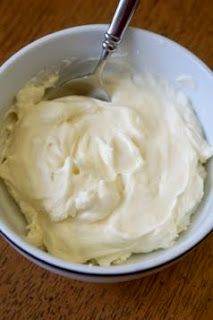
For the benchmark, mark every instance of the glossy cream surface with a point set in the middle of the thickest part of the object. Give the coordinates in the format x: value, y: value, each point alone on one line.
x: 98, y: 181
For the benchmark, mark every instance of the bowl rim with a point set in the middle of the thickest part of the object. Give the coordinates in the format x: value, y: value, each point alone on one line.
x: 83, y: 269
x: 106, y: 275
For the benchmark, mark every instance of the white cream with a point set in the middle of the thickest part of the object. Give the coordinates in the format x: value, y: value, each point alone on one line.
x: 99, y: 181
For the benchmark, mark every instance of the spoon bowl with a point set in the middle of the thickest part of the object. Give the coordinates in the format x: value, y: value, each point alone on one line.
x: 86, y: 85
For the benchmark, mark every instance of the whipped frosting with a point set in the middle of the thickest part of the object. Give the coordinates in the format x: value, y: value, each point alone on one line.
x: 98, y: 181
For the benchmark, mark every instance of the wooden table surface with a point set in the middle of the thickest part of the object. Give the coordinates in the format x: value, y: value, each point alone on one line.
x: 182, y: 291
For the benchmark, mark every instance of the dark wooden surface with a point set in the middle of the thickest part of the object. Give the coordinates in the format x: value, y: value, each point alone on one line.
x: 184, y: 290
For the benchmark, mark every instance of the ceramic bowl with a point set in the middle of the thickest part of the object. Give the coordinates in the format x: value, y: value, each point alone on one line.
x: 146, y: 51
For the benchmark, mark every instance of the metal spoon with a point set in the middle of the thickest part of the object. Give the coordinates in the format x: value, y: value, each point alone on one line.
x: 91, y: 84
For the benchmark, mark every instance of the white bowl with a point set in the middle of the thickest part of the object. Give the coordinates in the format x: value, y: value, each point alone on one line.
x: 147, y: 51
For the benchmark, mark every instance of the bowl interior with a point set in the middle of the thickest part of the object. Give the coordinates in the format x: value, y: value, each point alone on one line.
x: 145, y: 51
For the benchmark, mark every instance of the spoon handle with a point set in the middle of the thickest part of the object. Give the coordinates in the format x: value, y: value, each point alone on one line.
x: 120, y: 22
